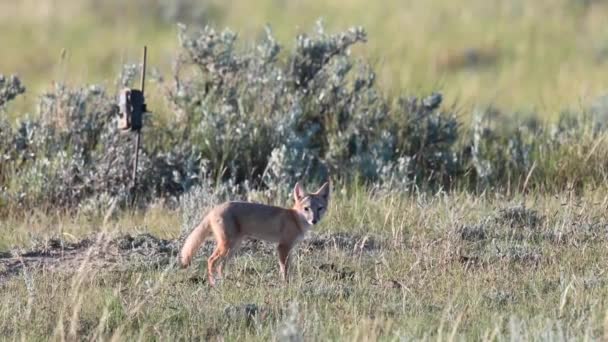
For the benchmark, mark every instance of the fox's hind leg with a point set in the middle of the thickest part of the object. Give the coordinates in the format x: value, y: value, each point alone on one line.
x: 233, y: 246
x: 220, y: 251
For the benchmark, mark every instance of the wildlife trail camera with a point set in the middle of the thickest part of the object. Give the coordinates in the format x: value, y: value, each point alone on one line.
x: 132, y: 107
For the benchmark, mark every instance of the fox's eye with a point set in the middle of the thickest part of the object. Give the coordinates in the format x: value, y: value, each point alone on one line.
x: 307, y: 209
x: 321, y: 208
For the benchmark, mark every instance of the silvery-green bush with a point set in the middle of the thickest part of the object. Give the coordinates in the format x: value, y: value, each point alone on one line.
x: 272, y: 116
x: 72, y: 151
x: 250, y: 113
x: 10, y: 88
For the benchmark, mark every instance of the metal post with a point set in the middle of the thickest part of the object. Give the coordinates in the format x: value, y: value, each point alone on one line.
x: 143, y: 71
x: 138, y: 137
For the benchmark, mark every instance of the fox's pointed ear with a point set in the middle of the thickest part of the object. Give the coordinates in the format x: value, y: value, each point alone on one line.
x: 298, y: 192
x: 324, y: 191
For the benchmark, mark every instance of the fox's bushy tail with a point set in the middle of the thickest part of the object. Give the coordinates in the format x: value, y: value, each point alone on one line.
x: 194, y: 241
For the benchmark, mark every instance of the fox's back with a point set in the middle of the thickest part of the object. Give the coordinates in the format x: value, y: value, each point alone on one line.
x: 249, y: 210
x: 251, y: 219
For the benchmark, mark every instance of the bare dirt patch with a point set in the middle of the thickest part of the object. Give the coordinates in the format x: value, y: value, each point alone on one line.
x: 98, y: 251
x: 103, y: 252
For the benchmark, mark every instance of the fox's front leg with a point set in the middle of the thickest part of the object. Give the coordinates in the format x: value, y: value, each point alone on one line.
x: 283, y: 250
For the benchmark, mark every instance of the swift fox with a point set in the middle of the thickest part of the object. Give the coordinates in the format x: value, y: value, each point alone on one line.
x: 231, y: 222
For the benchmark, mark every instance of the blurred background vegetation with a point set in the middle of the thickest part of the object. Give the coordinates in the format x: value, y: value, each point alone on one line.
x: 520, y: 56
x: 397, y: 95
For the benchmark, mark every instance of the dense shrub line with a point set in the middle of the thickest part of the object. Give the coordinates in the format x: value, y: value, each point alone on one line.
x: 261, y: 118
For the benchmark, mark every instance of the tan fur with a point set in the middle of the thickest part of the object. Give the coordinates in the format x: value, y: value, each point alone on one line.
x: 231, y: 222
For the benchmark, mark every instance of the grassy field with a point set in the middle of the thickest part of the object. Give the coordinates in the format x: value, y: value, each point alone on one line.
x: 444, y: 267
x: 498, y: 233
x: 542, y: 56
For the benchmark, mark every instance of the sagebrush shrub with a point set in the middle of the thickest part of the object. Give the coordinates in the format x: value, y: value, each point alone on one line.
x: 249, y: 110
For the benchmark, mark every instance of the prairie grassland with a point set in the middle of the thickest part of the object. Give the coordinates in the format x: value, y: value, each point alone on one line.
x: 517, y: 252
x: 381, y: 266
